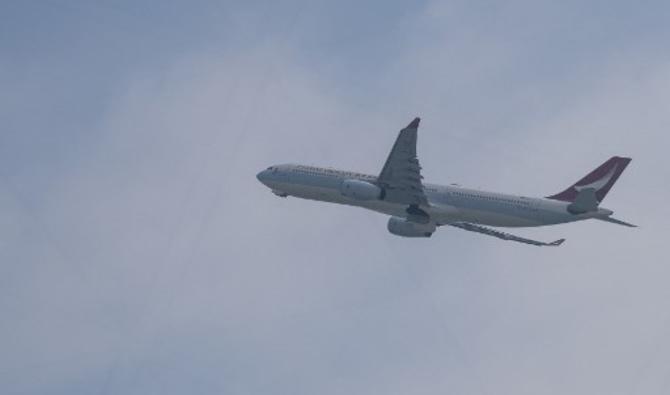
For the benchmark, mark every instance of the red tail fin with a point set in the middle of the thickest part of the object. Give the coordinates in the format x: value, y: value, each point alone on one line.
x: 600, y: 179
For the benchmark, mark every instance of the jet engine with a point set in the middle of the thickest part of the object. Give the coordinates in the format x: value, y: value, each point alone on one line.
x: 360, y: 190
x: 402, y: 227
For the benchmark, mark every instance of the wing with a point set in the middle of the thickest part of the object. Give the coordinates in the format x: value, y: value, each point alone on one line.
x: 502, y: 235
x: 401, y: 175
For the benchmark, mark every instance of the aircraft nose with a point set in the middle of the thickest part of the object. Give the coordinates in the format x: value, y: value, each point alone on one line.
x: 262, y: 177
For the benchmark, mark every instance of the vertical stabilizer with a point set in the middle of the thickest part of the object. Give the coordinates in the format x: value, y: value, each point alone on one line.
x: 599, y: 180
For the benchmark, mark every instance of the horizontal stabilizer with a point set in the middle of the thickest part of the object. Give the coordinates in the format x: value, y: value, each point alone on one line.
x: 616, y: 221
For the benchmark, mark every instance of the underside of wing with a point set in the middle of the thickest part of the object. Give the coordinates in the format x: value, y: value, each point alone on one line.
x: 502, y: 235
x: 401, y: 175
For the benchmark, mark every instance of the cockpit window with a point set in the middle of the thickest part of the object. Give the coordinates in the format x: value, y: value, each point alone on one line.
x: 270, y: 168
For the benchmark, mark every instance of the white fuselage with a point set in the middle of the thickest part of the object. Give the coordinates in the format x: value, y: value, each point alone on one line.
x: 446, y: 204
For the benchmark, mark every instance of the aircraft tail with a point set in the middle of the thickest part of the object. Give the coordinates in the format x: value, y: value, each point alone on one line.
x: 597, y: 182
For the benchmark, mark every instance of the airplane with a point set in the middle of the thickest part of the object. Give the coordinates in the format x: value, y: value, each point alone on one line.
x: 417, y: 209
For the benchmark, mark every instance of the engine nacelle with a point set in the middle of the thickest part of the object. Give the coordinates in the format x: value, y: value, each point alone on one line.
x: 402, y: 227
x: 360, y: 190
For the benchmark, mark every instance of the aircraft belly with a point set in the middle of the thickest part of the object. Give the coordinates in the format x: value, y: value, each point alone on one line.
x: 313, y: 192
x: 507, y: 221
x: 333, y: 195
x: 383, y: 207
x: 495, y: 219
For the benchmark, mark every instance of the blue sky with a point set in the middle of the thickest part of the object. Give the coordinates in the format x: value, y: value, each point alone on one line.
x: 138, y: 253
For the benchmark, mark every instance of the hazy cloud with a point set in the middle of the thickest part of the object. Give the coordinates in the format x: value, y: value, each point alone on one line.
x: 140, y: 254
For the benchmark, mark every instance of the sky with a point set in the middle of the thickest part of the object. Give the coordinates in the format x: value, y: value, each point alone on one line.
x: 140, y: 255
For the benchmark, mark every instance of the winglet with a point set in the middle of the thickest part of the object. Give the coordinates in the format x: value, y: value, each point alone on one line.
x: 414, y: 124
x: 556, y: 243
